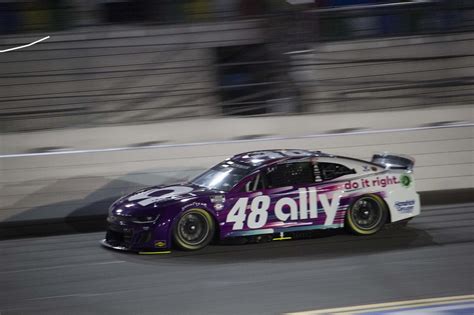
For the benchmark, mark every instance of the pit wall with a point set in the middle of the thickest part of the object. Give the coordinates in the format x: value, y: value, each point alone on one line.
x: 76, y: 173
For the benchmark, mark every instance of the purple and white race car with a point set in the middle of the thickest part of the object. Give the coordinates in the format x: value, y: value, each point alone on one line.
x: 271, y: 194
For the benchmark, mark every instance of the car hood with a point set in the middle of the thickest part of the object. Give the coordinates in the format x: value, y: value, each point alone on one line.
x: 148, y: 200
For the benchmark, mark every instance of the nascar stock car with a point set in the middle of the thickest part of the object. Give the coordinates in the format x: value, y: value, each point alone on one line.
x: 266, y: 194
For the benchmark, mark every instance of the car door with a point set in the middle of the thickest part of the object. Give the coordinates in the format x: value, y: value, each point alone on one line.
x: 233, y: 218
x: 274, y: 199
x: 291, y: 187
x: 305, y: 195
x: 333, y: 198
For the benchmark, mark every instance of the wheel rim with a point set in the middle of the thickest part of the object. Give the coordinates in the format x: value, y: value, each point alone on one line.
x: 366, y: 213
x: 193, y: 228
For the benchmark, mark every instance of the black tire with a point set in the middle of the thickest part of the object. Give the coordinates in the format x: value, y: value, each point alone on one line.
x: 194, y: 230
x: 367, y: 215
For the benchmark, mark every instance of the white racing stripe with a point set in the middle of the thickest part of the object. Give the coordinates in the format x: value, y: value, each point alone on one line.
x: 191, y: 144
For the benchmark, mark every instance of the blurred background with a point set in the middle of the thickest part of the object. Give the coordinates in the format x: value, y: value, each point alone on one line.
x: 141, y: 92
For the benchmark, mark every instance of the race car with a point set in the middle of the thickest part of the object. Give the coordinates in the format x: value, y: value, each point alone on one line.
x: 269, y: 194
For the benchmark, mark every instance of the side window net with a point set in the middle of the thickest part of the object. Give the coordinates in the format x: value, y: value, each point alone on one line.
x: 254, y: 185
x: 317, y: 174
x: 330, y: 171
x: 290, y: 174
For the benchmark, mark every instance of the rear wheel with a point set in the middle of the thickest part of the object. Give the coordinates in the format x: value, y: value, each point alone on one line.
x: 194, y: 230
x: 367, y: 215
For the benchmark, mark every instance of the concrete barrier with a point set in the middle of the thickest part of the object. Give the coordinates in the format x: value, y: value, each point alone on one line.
x: 96, y: 165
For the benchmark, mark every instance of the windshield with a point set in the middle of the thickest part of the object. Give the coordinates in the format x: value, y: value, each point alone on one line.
x: 223, y: 176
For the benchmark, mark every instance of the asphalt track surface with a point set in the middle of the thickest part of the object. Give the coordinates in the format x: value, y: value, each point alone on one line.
x: 72, y: 274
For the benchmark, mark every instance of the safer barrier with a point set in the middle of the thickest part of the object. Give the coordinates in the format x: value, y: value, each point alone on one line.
x: 47, y: 175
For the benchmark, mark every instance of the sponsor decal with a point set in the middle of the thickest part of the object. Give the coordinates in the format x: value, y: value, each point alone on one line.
x: 285, y: 209
x: 160, y: 244
x: 151, y: 196
x: 241, y: 166
x: 218, y: 202
x: 405, y: 206
x: 405, y: 180
x: 379, y: 181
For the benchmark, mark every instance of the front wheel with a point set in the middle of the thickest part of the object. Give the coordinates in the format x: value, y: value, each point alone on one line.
x: 194, y: 230
x: 367, y: 215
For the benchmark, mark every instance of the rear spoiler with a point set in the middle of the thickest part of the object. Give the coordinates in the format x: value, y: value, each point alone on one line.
x: 394, y: 161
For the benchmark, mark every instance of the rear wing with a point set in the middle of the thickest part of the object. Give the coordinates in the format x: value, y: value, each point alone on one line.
x: 394, y: 161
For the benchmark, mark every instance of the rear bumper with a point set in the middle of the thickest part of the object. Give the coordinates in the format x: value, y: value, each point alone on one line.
x: 404, y: 203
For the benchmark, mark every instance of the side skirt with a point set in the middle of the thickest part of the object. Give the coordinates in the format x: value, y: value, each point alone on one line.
x: 283, y: 230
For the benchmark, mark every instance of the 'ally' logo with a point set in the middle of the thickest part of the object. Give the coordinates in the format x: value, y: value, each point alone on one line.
x: 285, y: 209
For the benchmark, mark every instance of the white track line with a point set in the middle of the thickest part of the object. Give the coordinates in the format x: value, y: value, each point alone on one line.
x: 191, y: 144
x: 388, y: 306
x: 61, y: 266
x: 24, y: 46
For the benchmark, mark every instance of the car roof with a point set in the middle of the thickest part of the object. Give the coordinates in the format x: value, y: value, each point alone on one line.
x: 261, y: 158
x: 265, y: 157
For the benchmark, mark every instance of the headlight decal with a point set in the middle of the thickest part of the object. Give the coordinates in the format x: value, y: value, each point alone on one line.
x: 145, y: 219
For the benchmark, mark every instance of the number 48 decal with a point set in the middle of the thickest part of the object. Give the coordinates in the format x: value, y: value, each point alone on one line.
x: 257, y: 217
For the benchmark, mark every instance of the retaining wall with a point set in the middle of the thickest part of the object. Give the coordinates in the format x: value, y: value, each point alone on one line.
x: 93, y: 166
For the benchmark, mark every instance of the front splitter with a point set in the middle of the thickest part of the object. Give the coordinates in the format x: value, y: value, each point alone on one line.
x: 105, y: 244
x: 125, y: 249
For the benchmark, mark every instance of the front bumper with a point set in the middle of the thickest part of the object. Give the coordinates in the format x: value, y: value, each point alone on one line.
x: 122, y: 248
x: 136, y: 238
